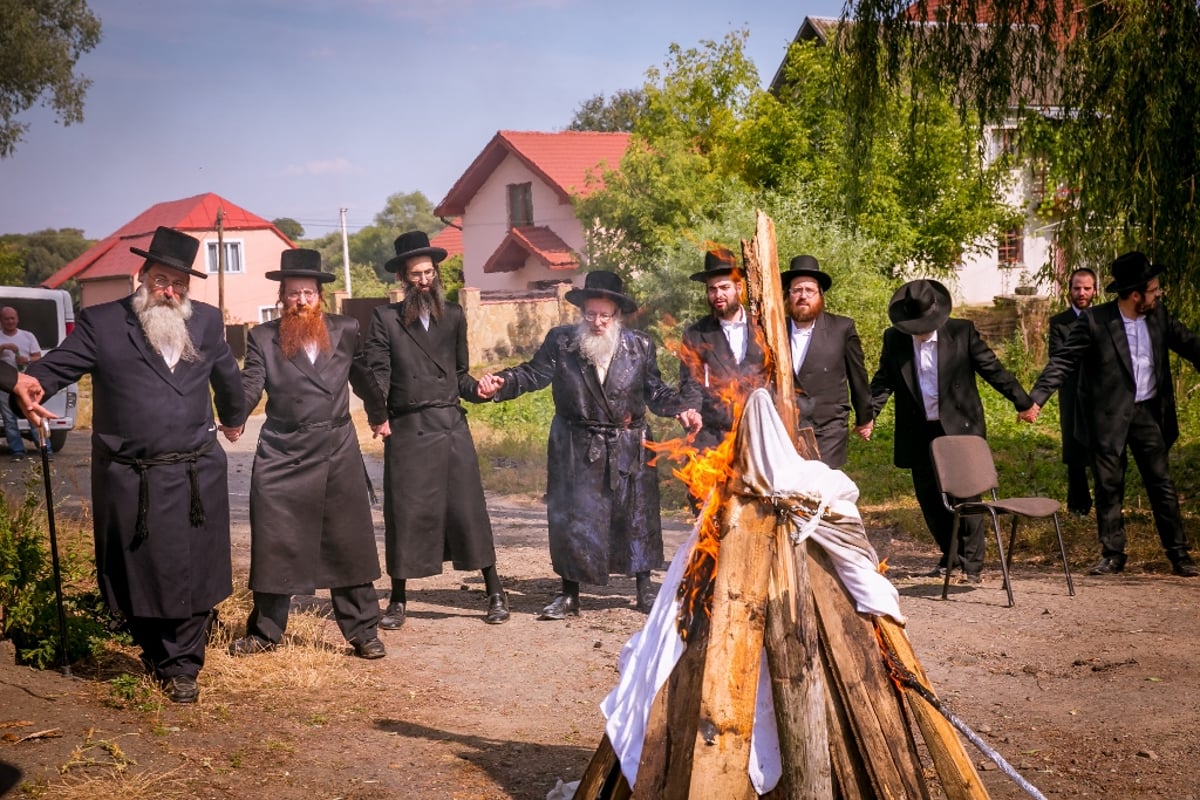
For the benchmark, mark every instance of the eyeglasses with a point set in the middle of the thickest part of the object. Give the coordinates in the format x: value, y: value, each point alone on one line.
x: 307, y: 294
x: 598, y: 316
x: 803, y: 291
x: 162, y: 282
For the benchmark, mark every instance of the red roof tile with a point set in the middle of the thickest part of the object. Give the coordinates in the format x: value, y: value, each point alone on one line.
x: 564, y: 160
x: 450, y: 238
x: 537, y: 241
x: 198, y: 215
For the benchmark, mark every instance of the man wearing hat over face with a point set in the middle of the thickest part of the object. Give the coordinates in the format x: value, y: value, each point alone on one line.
x: 721, y: 355
x: 310, y: 517
x: 929, y: 363
x: 828, y: 372
x: 433, y: 504
x: 159, y: 492
x: 1122, y: 351
x: 602, y: 499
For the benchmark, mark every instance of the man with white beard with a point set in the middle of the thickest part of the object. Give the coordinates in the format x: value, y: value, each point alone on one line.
x: 310, y: 517
x: 602, y: 499
x: 159, y: 492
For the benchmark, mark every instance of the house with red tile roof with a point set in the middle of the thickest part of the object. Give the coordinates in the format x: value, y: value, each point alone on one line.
x: 108, y: 270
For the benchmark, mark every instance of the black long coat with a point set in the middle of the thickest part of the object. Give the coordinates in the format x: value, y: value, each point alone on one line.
x: 433, y: 504
x: 832, y: 381
x: 1073, y: 450
x: 141, y: 409
x: 602, y: 500
x: 962, y: 354
x: 707, y: 370
x: 1098, y: 347
x: 310, y: 517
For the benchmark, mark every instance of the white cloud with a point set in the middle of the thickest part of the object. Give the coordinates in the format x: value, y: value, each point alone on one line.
x: 334, y: 166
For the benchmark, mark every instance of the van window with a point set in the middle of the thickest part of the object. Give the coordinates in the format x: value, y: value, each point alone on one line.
x: 38, y: 316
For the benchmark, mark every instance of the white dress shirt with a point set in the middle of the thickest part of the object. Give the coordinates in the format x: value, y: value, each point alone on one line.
x: 735, y: 333
x: 927, y: 374
x: 1142, y: 355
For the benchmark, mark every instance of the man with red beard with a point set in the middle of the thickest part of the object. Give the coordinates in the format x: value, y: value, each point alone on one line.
x: 721, y: 356
x: 828, y: 371
x: 159, y: 491
x: 433, y: 504
x: 310, y: 517
x: 602, y: 499
x: 1082, y: 291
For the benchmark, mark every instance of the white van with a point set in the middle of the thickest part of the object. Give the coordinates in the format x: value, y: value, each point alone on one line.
x: 49, y: 315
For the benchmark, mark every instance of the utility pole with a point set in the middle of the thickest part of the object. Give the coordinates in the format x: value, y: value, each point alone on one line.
x: 345, y: 250
x: 221, y: 261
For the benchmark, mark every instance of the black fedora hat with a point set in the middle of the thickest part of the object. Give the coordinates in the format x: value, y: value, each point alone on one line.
x: 602, y: 283
x: 1131, y: 270
x: 805, y: 267
x: 410, y: 245
x: 920, y: 306
x: 172, y: 249
x: 718, y: 261
x: 300, y: 263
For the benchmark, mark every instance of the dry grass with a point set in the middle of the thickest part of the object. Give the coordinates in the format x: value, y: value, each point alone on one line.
x: 116, y: 784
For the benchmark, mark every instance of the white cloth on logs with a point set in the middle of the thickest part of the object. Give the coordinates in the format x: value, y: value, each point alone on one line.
x: 772, y: 469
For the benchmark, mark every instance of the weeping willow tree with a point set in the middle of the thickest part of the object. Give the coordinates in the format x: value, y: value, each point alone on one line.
x: 1108, y: 94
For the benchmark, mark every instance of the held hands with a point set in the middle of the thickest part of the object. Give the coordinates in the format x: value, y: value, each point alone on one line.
x: 864, y: 431
x: 232, y: 434
x: 1030, y: 414
x: 383, y: 429
x: 488, y: 386
x: 690, y: 419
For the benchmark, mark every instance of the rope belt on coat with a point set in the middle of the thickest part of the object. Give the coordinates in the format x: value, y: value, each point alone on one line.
x: 326, y: 424
x: 601, y: 437
x: 143, y: 465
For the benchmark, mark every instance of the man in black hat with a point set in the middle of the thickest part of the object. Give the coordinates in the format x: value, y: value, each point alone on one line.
x: 1081, y: 290
x: 828, y: 372
x: 159, y: 492
x: 1122, y: 351
x: 602, y: 499
x: 310, y: 517
x: 929, y: 363
x: 721, y: 357
x: 433, y: 504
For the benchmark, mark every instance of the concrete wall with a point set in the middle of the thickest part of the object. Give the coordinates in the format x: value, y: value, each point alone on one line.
x: 498, y: 329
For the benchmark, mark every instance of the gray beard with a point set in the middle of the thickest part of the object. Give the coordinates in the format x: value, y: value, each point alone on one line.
x: 165, y: 326
x: 598, y: 350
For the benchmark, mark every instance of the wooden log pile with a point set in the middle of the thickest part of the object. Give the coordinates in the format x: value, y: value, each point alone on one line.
x: 844, y: 724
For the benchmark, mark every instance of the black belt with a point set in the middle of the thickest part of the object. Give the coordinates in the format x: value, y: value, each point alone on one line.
x: 143, y: 465
x: 323, y: 425
x: 601, y: 437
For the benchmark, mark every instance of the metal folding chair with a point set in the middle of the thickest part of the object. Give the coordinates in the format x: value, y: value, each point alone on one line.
x: 965, y: 468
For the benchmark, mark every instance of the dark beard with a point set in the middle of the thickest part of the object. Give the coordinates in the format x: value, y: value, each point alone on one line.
x: 417, y: 302
x: 300, y: 327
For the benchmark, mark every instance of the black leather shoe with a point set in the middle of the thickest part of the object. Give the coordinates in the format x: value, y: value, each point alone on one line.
x: 646, y: 598
x: 1109, y: 565
x: 1185, y: 567
x: 497, y: 609
x: 371, y: 648
x: 181, y: 689
x: 250, y: 645
x: 393, y: 617
x: 563, y: 606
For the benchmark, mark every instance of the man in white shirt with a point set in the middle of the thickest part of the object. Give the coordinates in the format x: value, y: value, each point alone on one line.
x: 19, y: 348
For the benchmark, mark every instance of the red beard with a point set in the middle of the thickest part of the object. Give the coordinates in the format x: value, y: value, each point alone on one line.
x: 301, y: 327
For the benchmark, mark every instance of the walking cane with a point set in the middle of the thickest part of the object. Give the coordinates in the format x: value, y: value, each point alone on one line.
x: 44, y: 446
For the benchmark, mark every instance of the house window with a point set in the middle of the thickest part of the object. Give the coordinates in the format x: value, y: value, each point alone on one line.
x: 1004, y: 142
x: 1010, y: 247
x: 520, y: 204
x: 268, y: 313
x: 233, y: 258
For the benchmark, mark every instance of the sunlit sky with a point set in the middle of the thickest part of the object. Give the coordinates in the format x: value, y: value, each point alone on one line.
x: 296, y: 108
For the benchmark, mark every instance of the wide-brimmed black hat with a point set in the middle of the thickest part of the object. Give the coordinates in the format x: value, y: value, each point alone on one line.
x: 718, y: 261
x: 920, y: 306
x: 805, y: 267
x: 300, y: 263
x: 602, y: 283
x: 1131, y: 270
x: 172, y: 249
x: 410, y: 245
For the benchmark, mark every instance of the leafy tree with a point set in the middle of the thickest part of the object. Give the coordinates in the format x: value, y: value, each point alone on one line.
x: 290, y: 228
x: 44, y: 252
x: 40, y: 41
x: 363, y: 282
x: 617, y: 114
x: 12, y: 265
x: 373, y: 244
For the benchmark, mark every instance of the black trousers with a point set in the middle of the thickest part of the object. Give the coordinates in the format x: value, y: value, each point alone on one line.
x: 171, y: 647
x: 356, y: 609
x: 1079, y: 494
x: 938, y: 518
x: 1145, y: 441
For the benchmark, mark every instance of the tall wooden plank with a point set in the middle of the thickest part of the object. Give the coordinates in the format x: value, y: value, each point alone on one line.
x: 666, y: 764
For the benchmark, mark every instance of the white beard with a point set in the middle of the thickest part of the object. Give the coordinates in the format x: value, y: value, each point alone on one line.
x: 598, y: 350
x: 165, y: 325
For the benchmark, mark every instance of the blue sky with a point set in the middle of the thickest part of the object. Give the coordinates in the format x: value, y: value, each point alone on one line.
x: 295, y: 108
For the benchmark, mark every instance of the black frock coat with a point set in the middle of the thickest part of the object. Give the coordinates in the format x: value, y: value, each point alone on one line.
x: 310, y: 516
x: 1073, y: 450
x: 433, y: 504
x: 602, y: 500
x: 707, y: 371
x: 141, y: 409
x: 832, y: 381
